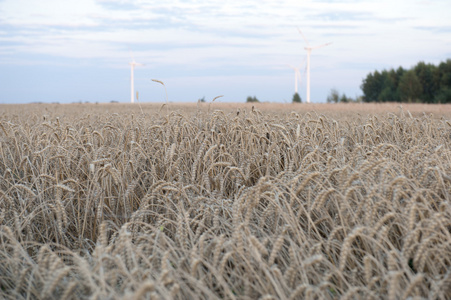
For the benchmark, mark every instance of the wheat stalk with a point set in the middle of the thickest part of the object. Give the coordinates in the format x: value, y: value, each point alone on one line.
x: 239, y: 202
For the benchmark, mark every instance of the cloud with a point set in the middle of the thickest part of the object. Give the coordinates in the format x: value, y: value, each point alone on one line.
x: 207, y: 38
x: 118, y: 5
x: 435, y: 29
x: 203, y: 31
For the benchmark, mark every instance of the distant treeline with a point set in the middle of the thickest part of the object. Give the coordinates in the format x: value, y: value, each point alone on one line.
x: 425, y: 83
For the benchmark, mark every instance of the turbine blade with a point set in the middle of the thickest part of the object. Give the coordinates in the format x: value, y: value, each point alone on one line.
x: 133, y: 63
x: 299, y: 77
x: 303, y: 61
x: 131, y: 55
x: 320, y: 46
x: 303, y: 37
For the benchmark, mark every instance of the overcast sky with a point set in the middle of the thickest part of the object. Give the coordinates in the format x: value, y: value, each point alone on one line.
x: 79, y: 50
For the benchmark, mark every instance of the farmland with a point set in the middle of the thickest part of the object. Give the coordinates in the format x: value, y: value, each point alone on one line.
x: 225, y: 201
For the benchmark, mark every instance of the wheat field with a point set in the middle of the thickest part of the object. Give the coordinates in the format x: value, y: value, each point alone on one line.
x: 114, y: 202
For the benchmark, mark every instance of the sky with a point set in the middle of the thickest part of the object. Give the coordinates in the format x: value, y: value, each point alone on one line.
x: 79, y: 50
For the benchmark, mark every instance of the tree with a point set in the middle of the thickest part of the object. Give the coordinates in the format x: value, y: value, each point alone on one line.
x: 388, y: 88
x: 443, y: 95
x: 372, y: 86
x: 345, y: 99
x: 252, y: 99
x: 424, y: 82
x: 387, y: 94
x: 425, y: 74
x: 333, y: 97
x: 444, y: 74
x: 410, y: 87
x: 297, y: 98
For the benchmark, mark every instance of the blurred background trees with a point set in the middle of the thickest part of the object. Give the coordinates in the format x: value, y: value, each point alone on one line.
x: 425, y: 83
x: 335, y: 97
x: 252, y: 99
x: 297, y: 98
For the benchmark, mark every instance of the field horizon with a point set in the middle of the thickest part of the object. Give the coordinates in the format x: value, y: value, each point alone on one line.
x: 368, y: 108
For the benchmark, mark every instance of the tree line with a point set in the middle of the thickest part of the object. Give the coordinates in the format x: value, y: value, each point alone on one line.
x: 425, y: 83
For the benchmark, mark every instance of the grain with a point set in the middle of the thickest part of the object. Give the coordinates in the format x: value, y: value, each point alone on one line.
x: 116, y: 202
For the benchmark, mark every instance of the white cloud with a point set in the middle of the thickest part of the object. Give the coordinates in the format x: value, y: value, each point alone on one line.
x: 229, y: 35
x: 49, y: 12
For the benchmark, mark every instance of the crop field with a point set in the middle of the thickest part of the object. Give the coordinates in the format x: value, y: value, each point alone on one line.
x: 224, y: 201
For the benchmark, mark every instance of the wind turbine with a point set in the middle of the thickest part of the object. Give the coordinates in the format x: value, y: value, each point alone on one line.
x: 297, y: 76
x: 309, y: 51
x: 132, y: 64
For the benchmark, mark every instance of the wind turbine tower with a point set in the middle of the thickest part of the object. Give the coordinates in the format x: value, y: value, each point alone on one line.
x: 309, y: 51
x: 132, y: 79
x: 297, y: 76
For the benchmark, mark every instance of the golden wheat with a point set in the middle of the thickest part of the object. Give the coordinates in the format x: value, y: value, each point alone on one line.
x: 234, y: 204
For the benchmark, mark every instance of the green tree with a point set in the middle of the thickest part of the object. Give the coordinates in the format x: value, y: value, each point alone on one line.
x: 372, y: 86
x: 443, y: 95
x: 333, y: 97
x: 252, y: 99
x: 395, y: 76
x: 444, y: 74
x: 344, y: 99
x: 430, y: 85
x: 410, y: 88
x: 297, y: 98
x: 386, y: 95
x: 399, y: 72
x: 424, y: 82
x: 388, y: 89
x: 382, y: 86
